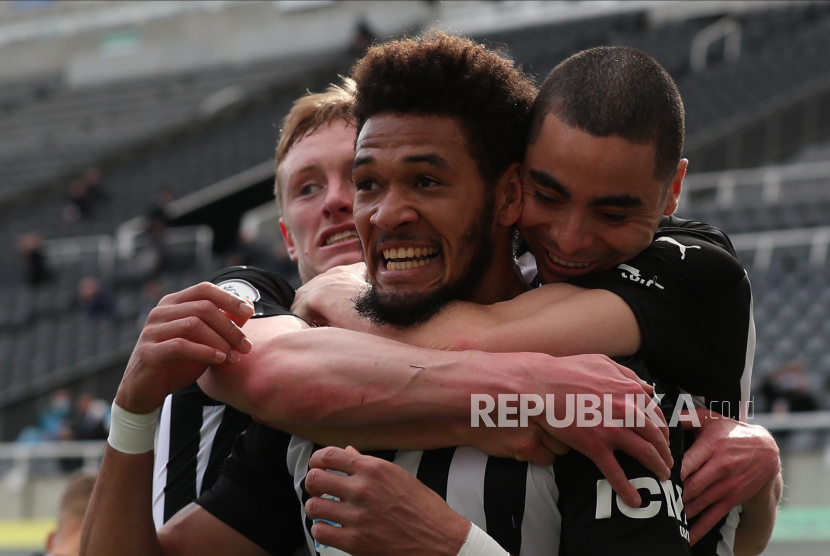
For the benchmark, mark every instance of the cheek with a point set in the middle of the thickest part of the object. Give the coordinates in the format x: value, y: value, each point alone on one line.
x: 629, y: 242
x: 531, y: 215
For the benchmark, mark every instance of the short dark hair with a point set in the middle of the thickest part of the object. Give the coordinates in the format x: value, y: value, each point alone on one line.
x: 616, y: 90
x: 448, y: 75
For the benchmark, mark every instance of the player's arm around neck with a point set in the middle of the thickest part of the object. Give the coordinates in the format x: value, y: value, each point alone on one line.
x: 330, y: 376
x: 557, y: 319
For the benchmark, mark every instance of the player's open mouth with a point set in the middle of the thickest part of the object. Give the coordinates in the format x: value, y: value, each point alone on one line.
x: 563, y: 262
x: 404, y: 258
x: 340, y: 237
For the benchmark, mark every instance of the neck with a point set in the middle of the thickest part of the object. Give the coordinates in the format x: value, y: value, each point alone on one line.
x: 503, y: 280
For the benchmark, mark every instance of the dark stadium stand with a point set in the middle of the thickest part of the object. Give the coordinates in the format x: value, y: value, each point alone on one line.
x: 60, y: 128
x: 50, y: 131
x: 792, y: 302
x: 742, y: 219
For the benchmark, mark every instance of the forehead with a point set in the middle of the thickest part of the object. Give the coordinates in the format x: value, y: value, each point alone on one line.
x: 397, y: 136
x: 593, y: 166
x: 332, y: 143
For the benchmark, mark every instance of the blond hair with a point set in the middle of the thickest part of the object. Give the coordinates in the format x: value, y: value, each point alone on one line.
x: 309, y: 113
x: 76, y: 497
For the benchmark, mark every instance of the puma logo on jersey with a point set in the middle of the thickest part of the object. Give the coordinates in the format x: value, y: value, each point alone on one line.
x: 679, y: 245
x: 633, y: 274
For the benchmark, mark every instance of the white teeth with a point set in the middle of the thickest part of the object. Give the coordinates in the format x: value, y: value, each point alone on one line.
x: 340, y: 237
x: 406, y: 265
x: 408, y: 252
x: 562, y: 262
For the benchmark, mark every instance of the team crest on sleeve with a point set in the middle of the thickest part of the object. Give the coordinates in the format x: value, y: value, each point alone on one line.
x: 240, y: 288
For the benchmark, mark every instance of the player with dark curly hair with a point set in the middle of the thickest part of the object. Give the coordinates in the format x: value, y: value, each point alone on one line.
x: 422, y: 186
x: 421, y: 164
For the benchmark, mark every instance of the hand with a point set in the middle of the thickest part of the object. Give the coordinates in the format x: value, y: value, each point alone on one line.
x: 383, y: 509
x: 187, y: 331
x: 327, y: 298
x: 599, y: 376
x: 531, y: 443
x: 727, y: 465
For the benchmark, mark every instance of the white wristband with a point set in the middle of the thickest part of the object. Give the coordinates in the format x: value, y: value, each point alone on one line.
x: 479, y: 543
x: 131, y: 433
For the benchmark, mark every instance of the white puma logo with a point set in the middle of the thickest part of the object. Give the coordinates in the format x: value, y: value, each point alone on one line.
x: 681, y: 246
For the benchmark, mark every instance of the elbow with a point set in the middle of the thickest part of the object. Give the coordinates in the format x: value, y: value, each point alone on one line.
x: 465, y: 340
x: 284, y: 400
x: 751, y: 548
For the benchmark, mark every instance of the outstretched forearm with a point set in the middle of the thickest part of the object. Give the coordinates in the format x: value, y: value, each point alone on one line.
x: 330, y: 376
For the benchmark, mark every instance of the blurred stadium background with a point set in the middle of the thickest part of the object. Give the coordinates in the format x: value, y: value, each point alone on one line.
x: 136, y: 148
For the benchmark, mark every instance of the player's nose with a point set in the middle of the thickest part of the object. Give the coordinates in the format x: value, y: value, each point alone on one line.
x: 339, y: 198
x: 392, y: 210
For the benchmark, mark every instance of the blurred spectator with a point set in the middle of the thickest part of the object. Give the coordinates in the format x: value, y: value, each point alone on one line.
x: 30, y: 248
x: 788, y: 390
x: 91, y: 418
x: 94, y: 298
x: 151, y: 294
x: 84, y: 196
x: 151, y: 254
x: 247, y: 252
x: 65, y: 540
x: 157, y: 211
x: 52, y: 422
x: 362, y: 39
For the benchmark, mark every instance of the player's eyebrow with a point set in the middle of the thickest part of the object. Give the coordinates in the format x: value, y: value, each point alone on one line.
x: 623, y: 200
x: 362, y: 161
x: 546, y: 180
x: 430, y: 158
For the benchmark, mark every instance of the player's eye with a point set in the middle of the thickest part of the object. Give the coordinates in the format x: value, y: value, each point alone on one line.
x: 309, y: 188
x: 426, y: 181
x: 366, y: 184
x: 542, y: 198
x: 615, y: 218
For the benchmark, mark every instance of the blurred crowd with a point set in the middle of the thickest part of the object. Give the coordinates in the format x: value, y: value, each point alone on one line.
x: 85, y: 418
x: 97, y: 295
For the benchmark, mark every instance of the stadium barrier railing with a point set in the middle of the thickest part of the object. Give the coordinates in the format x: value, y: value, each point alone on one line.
x: 768, y: 183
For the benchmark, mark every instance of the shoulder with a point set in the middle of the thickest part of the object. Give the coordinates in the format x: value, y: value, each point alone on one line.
x: 268, y: 292
x: 693, y: 252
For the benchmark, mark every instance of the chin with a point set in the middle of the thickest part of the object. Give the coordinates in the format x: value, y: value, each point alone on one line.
x: 344, y: 259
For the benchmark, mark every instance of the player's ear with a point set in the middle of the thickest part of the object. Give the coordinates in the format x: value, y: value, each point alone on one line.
x: 290, y: 246
x: 509, y: 196
x: 50, y: 541
x: 675, y: 188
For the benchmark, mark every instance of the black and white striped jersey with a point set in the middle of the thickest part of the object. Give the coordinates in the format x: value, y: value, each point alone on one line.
x: 196, y: 432
x: 262, y: 483
x: 262, y: 492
